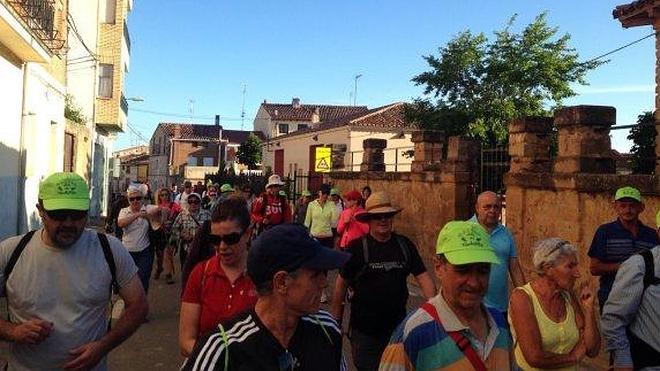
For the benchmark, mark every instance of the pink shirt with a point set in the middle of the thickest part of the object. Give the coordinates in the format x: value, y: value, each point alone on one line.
x: 354, y: 229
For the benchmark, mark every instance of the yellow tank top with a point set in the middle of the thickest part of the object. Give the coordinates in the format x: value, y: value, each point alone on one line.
x: 556, y: 337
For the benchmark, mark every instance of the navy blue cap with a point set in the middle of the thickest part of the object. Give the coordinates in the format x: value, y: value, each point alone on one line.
x: 287, y: 247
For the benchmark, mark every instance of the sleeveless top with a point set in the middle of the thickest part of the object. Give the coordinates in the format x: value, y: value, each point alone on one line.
x: 556, y: 337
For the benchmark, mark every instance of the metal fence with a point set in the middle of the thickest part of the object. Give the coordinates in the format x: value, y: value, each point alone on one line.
x: 494, y: 162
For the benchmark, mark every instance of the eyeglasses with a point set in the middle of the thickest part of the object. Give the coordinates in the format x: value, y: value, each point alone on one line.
x: 382, y: 216
x: 135, y: 199
x: 229, y: 239
x: 193, y: 201
x: 62, y: 215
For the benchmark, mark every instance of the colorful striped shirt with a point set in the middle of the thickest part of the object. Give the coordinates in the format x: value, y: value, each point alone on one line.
x: 419, y: 343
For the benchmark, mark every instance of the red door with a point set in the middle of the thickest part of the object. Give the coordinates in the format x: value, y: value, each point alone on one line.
x: 279, y: 162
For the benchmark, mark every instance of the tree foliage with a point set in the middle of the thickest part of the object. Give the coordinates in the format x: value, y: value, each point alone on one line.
x: 249, y: 152
x: 643, y: 149
x: 476, y: 86
x: 72, y: 112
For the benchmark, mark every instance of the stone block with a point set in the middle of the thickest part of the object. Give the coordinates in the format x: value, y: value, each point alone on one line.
x: 461, y: 148
x: 585, y: 116
x: 540, y: 125
x: 373, y: 143
x: 428, y: 136
x: 590, y: 165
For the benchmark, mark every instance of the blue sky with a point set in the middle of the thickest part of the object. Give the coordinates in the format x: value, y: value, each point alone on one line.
x: 204, y: 50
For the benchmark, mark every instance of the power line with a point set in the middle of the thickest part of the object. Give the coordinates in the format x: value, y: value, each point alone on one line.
x: 620, y: 48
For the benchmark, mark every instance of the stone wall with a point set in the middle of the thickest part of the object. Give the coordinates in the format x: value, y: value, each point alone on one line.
x: 572, y: 195
x: 431, y: 195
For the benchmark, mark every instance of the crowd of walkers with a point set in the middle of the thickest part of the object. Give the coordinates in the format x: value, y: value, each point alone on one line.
x: 254, y: 275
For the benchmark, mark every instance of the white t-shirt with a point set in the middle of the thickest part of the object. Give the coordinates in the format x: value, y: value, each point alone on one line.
x: 136, y: 234
x: 182, y: 200
x: 69, y: 287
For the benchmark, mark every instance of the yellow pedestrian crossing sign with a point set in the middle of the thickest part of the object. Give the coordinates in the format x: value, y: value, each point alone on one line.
x: 323, y: 159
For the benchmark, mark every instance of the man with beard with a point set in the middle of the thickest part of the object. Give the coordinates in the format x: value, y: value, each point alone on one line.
x: 377, y: 272
x: 58, y: 283
x: 615, y: 242
x: 454, y: 330
x: 285, y: 330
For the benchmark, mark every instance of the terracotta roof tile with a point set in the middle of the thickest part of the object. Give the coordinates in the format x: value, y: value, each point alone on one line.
x: 304, y: 112
x: 205, y: 132
x: 627, y: 9
x: 240, y: 136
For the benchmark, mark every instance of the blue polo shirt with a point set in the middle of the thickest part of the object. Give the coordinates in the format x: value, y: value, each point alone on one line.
x: 613, y: 243
x: 501, y: 240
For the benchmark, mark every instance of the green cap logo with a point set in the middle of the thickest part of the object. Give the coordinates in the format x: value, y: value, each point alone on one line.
x: 465, y: 243
x: 628, y: 192
x: 64, y: 191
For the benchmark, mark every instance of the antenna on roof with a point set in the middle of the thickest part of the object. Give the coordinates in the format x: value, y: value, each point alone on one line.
x: 244, y: 88
x: 191, y: 108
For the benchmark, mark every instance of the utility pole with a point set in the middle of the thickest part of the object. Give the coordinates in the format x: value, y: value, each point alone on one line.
x: 244, y: 88
x: 355, y: 89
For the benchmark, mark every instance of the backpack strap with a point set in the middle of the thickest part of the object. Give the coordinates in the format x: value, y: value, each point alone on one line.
x: 461, y: 341
x: 404, y: 249
x: 110, y: 259
x: 16, y: 254
x: 649, y: 269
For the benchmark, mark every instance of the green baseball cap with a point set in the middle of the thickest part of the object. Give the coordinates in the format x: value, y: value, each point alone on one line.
x: 334, y: 192
x: 226, y: 188
x: 628, y: 192
x: 306, y: 193
x: 64, y: 191
x: 465, y: 243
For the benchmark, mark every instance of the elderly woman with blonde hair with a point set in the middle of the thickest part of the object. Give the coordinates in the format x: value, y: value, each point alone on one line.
x: 551, y: 327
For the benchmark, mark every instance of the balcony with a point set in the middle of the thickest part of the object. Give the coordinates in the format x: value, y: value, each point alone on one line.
x: 124, y: 104
x: 39, y: 17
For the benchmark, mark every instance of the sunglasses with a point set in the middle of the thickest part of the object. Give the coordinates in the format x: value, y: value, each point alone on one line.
x: 229, y: 239
x: 382, y: 216
x: 62, y: 215
x: 135, y: 199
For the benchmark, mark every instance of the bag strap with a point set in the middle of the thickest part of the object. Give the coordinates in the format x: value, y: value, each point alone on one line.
x: 110, y: 259
x: 17, y: 254
x: 404, y: 249
x: 461, y: 341
x: 206, y: 269
x: 649, y: 269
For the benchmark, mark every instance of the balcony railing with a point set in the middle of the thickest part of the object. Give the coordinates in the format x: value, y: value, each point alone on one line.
x: 39, y: 16
x: 123, y: 103
x: 127, y: 36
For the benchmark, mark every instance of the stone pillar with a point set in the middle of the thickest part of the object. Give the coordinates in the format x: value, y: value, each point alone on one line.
x: 461, y: 174
x: 529, y: 145
x: 428, y: 150
x: 584, y: 140
x: 373, y: 158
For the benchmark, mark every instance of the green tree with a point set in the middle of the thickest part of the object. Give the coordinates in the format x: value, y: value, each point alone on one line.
x: 643, y: 149
x: 249, y: 152
x: 72, y: 112
x: 476, y: 86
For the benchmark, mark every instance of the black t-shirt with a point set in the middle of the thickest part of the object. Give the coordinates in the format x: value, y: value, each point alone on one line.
x: 315, y: 345
x: 380, y: 291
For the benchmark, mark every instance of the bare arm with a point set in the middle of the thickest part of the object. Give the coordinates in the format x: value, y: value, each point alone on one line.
x: 188, y: 327
x: 130, y: 218
x: 516, y: 272
x: 598, y: 267
x: 426, y: 283
x: 529, y: 336
x: 135, y: 310
x: 337, y: 305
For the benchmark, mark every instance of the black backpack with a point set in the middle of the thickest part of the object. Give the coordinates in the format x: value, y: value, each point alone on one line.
x: 649, y: 269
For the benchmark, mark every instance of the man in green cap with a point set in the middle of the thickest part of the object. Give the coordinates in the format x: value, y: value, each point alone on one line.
x: 454, y: 330
x: 616, y: 241
x: 58, y: 281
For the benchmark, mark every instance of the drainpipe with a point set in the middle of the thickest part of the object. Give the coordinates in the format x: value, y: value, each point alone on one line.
x: 21, y: 154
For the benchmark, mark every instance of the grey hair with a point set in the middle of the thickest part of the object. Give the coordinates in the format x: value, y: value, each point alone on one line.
x: 550, y: 251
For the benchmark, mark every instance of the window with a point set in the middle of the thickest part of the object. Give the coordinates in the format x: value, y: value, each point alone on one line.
x: 192, y: 161
x: 208, y: 161
x: 302, y: 126
x: 108, y: 9
x: 105, y: 80
x: 283, y: 128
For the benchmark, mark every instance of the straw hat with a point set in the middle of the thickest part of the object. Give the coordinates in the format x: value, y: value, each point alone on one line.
x: 377, y: 203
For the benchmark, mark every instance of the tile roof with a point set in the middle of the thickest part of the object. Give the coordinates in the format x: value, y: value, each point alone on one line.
x: 190, y: 131
x: 386, y: 118
x: 240, y: 136
x: 630, y: 8
x: 304, y: 112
